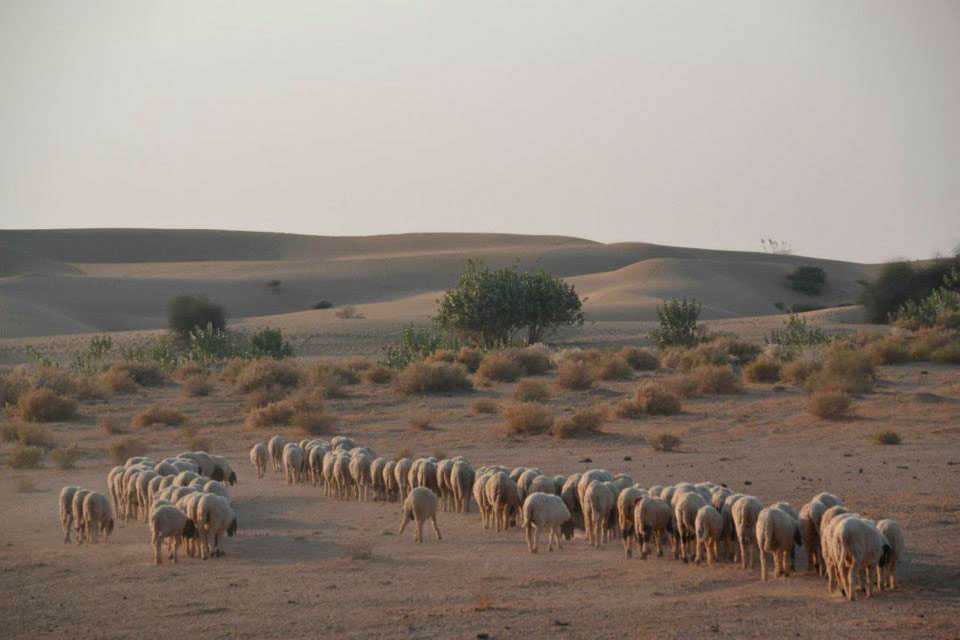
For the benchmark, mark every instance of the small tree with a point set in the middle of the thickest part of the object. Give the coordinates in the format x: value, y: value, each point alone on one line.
x: 678, y: 323
x: 186, y: 313
x: 807, y: 279
x: 270, y: 342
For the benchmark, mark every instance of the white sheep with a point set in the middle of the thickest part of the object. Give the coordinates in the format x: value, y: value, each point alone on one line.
x: 480, y: 496
x: 545, y: 511
x: 66, y: 510
x: 731, y: 546
x: 216, y: 518
x: 598, y: 505
x: 462, y: 476
x: 687, y: 504
x: 745, y: 512
x: 259, y: 457
x: 809, y: 522
x: 503, y: 499
x: 626, y: 501
x: 343, y: 481
x: 376, y: 478
x: 652, y: 517
x: 390, y: 488
x: 401, y: 474
x: 571, y: 497
x: 542, y: 484
x: 359, y: 466
x: 443, y: 484
x: 217, y: 487
x: 860, y: 549
x: 77, y: 510
x: 777, y: 533
x: 168, y: 522
x: 293, y: 459
x: 275, y: 447
x: 709, y: 529
x: 420, y: 506
x: 887, y: 577
x: 97, y: 517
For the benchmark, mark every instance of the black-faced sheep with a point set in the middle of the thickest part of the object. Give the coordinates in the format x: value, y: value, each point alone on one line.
x: 420, y: 506
x: 167, y: 522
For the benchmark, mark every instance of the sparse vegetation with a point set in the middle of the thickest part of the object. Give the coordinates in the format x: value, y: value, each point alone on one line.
x: 798, y: 371
x: 197, y: 387
x: 269, y: 343
x: 614, y: 367
x: 266, y: 372
x: 377, y: 375
x: 499, y: 367
x: 528, y: 418
x: 34, y: 436
x: 188, y: 370
x: 322, y: 304
x: 45, y: 405
x: 655, y: 400
x: 127, y: 447
x: 186, y: 313
x: 763, y: 369
x: 629, y: 409
x: 145, y: 375
x: 807, y: 279
x: 531, y: 391
x: 640, y: 359
x: 575, y: 375
x: 678, y: 323
x: 712, y: 379
x: 829, y: 405
x: 665, y: 442
x: 484, y: 406
x: 887, y: 437
x: 421, y: 377
x: 846, y: 369
x: 470, y: 358
x: 270, y: 415
x: 65, y: 457
x: 158, y: 415
x: 25, y: 457
x: 584, y: 421
x: 349, y: 312
x: 797, y: 332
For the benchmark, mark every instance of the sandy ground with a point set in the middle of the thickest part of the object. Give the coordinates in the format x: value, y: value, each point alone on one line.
x: 298, y: 566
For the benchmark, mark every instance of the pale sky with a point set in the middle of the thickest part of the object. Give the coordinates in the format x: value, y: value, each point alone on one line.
x: 833, y: 125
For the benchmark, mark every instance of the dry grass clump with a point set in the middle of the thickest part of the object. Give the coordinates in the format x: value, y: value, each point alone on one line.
x: 763, y: 369
x: 34, y: 436
x: 924, y: 342
x: 124, y: 448
x: 232, y: 369
x: 528, y: 418
x: 145, y: 375
x: 303, y: 409
x: 718, y: 352
x: 535, y: 359
x: 947, y: 354
x: 349, y: 312
x: 262, y: 397
x: 44, y: 405
x: 889, y: 350
x: 614, y: 367
x: 356, y: 364
x: 109, y: 425
x: 267, y: 372
x: 65, y: 457
x: 270, y: 415
x: 441, y: 355
x: 470, y: 358
x: 640, y: 359
x: 25, y: 457
x: 158, y: 415
x: 377, y: 375
x: 118, y: 381
x: 846, y: 369
x: 829, y: 405
x: 186, y: 371
x: 484, y: 406
x: 196, y: 387
x: 360, y: 549
x: 682, y: 385
x: 531, y: 391
x: 664, y: 442
x: 499, y: 367
x: 582, y: 422
x: 629, y: 409
x: 575, y: 375
x: 887, y: 437
x: 419, y: 423
x: 424, y: 377
x: 799, y: 371
x: 714, y: 379
x: 655, y: 400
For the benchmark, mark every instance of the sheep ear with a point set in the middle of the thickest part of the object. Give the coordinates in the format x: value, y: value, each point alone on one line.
x: 233, y: 478
x: 217, y: 474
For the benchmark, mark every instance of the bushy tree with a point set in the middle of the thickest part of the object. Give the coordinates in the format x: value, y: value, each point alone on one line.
x: 900, y: 282
x: 269, y: 342
x: 489, y: 307
x: 807, y: 279
x: 678, y: 323
x: 186, y: 313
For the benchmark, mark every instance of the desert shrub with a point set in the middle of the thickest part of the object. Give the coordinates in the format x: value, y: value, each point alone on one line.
x: 655, y: 400
x: 419, y: 423
x: 901, y: 282
x: 146, y: 375
x: 799, y: 371
x: 887, y: 437
x: 267, y: 372
x: 119, y: 381
x: 232, y: 369
x: 717, y: 380
x: 197, y: 386
x: 531, y: 391
x: 312, y: 422
x: 687, y: 358
x: 269, y: 343
x: 158, y: 415
x: 322, y: 304
x: 528, y: 417
x: 264, y: 396
x: 8, y: 431
x: 422, y: 377
x: 470, y: 358
x: 797, y: 332
x: 614, y: 367
x: 416, y: 344
x: 798, y: 307
x: 845, y: 369
x: 91, y: 358
x: 109, y: 425
x: 357, y: 364
x: 158, y: 352
x: 947, y: 354
x: 124, y: 448
x: 807, y: 279
x: 628, y: 409
x: 763, y: 369
x: 57, y: 379
x: 582, y: 422
x: 441, y: 355
x: 273, y: 414
x: 678, y: 323
x: 209, y: 345
x: 640, y: 359
x: 34, y: 436
x: 377, y: 375
x: 484, y: 406
x: 186, y: 313
x: 681, y: 385
x: 924, y: 342
x: 65, y: 457
x: 186, y: 371
x: 738, y: 351
x: 332, y: 377
x: 889, y: 350
x: 349, y: 312
x: 664, y: 442
x: 499, y: 367
x: 575, y: 375
x: 44, y: 405
x: 535, y: 360
x: 829, y: 404
x: 25, y: 457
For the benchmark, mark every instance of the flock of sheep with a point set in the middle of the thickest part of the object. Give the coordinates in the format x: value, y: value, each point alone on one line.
x: 184, y: 500
x: 703, y: 522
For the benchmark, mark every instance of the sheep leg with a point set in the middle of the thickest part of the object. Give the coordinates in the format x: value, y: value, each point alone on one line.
x: 157, y: 541
x: 67, y: 522
x: 433, y: 518
x: 403, y: 524
x: 176, y: 547
x: 418, y: 521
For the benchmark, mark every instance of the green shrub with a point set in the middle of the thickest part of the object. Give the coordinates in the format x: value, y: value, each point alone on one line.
x: 422, y: 377
x: 269, y: 343
x: 664, y: 442
x: 186, y: 313
x: 887, y: 437
x: 678, y: 323
x: 796, y: 332
x: 531, y: 391
x: 125, y: 448
x: 25, y: 457
x: 43, y: 405
x: 582, y: 422
x: 322, y: 304
x: 209, y: 345
x: 829, y: 404
x: 416, y: 344
x: 900, y: 282
x: 528, y: 417
x: 807, y: 279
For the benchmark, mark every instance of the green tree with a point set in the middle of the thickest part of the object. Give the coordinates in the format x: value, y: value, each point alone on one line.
x: 678, y: 323
x: 186, y: 313
x: 489, y: 307
x: 807, y: 279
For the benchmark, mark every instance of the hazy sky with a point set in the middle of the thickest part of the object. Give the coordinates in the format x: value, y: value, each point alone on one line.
x: 833, y: 125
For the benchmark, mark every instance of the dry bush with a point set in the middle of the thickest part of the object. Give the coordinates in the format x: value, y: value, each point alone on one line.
x: 441, y: 355
x: 360, y: 549
x: 614, y: 367
x: 377, y: 375
x: 470, y: 358
x: 629, y: 409
x: 484, y: 406
x: 655, y: 400
x: 186, y: 371
x: 109, y: 425
x: 582, y: 422
x: 887, y: 437
x: 124, y: 448
x: 575, y: 375
x: 333, y: 374
x: 267, y: 372
x: 799, y: 371
x: 118, y: 381
x: 273, y: 414
x: 25, y: 457
x: 664, y: 442
x: 947, y: 354
x: 423, y: 377
x: 499, y: 367
x: 718, y: 352
x: 196, y: 387
x: 44, y: 405
x: 763, y: 369
x: 349, y: 312
x: 640, y: 359
x: 924, y: 342
x: 312, y: 422
x: 829, y: 404
x: 419, y: 423
x: 531, y: 391
x: 682, y: 385
x: 713, y: 379
x: 303, y: 409
x: 528, y: 417
x: 232, y: 370
x: 34, y: 436
x: 535, y: 359
x: 144, y: 375
x: 87, y: 387
x: 65, y: 457
x: 262, y: 397
x: 889, y: 350
x: 356, y: 364
x: 158, y: 415
x: 846, y: 369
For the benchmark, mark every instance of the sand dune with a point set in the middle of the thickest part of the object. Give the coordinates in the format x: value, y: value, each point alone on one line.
x: 77, y: 281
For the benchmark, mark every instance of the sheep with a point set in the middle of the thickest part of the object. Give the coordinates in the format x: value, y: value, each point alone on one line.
x: 66, y: 510
x: 731, y: 546
x: 427, y: 476
x: 887, y: 578
x: 97, y: 517
x: 688, y: 503
x: 390, y: 488
x: 542, y: 484
x: 523, y: 482
x: 745, y: 512
x: 718, y: 496
x: 709, y: 530
x: 809, y: 522
x: 859, y: 548
x: 166, y: 521
x: 342, y: 443
x: 626, y: 500
x: 587, y: 478
x: 259, y: 455
x: 376, y: 478
x: 597, y: 501
x: 828, y: 499
x: 166, y: 468
x: 621, y: 481
x: 655, y: 490
x: 184, y: 478
x: 652, y: 517
x: 462, y: 477
x: 222, y: 470
x: 558, y: 482
x: 293, y: 463
x: 215, y: 517
x: 342, y: 479
x: 216, y: 487
x: 503, y: 498
x: 777, y: 533
x: 203, y: 460
x: 515, y: 473
x: 545, y: 511
x: 571, y: 497
x: 480, y: 495
x: 275, y: 447
x: 420, y: 506
x: 829, y: 545
x: 443, y: 483
x: 112, y: 487
x: 401, y: 474
x: 359, y: 467
x: 76, y: 508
